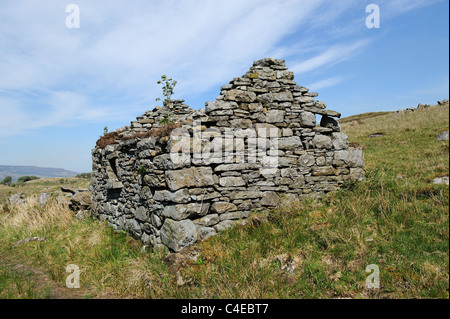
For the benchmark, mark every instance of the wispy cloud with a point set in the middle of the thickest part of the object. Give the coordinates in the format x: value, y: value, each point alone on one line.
x: 391, y: 9
x: 330, y: 56
x: 54, y: 108
x: 54, y: 76
x: 322, y: 84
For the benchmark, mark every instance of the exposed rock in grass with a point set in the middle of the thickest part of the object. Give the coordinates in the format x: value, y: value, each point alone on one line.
x: 376, y: 135
x: 43, y: 198
x: 81, y: 200
x: 441, y: 180
x: 18, y: 198
x: 26, y: 240
x: 442, y: 136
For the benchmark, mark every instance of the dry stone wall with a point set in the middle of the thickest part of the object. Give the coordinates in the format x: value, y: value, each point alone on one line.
x: 257, y: 143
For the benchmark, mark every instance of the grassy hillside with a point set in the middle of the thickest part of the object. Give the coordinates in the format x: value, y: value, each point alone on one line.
x: 396, y: 219
x: 43, y: 185
x: 359, y: 118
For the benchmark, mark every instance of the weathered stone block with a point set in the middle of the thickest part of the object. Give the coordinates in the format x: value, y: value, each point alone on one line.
x: 269, y: 62
x: 234, y: 215
x: 322, y: 142
x: 304, y: 99
x: 307, y: 119
x: 178, y: 234
x: 267, y: 130
x: 180, y: 196
x: 290, y: 143
x: 288, y: 75
x: 220, y: 105
x: 263, y: 74
x: 270, y: 199
x: 147, y: 143
x: 141, y: 213
x: 154, y: 181
x: 245, y: 195
x: 156, y: 221
x: 241, y: 123
x: 184, y: 211
x: 287, y: 132
x: 355, y: 157
x: 255, y: 107
x: 275, y: 116
x: 223, y: 207
x: 289, y: 172
x: 208, y: 220
x: 307, y: 160
x: 240, y: 96
x: 323, y: 171
x: 190, y: 177
x: 339, y: 140
x: 236, y: 167
x: 231, y: 181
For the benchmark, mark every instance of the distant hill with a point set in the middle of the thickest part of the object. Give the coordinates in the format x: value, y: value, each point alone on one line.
x: 363, y: 116
x: 16, y: 171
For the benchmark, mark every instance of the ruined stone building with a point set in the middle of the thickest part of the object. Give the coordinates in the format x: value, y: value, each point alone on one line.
x: 177, y: 175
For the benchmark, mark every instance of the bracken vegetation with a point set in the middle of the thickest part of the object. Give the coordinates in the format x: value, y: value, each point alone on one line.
x: 114, y: 137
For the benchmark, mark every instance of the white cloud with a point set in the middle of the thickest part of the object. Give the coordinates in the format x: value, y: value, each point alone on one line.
x: 322, y: 84
x: 330, y: 56
x: 56, y: 108
x: 391, y: 9
x: 120, y: 51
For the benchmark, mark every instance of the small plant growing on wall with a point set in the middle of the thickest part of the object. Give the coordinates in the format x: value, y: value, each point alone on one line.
x: 166, y: 120
x: 143, y: 169
x: 168, y: 86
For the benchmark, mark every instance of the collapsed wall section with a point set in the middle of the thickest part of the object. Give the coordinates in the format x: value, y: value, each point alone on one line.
x: 176, y: 176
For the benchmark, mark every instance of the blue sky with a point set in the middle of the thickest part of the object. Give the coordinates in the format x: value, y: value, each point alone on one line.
x: 60, y: 87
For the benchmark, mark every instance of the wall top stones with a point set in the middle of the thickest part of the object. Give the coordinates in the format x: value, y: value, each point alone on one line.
x: 173, y: 185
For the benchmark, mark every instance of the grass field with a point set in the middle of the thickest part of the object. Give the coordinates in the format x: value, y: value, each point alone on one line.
x: 42, y: 185
x: 395, y: 219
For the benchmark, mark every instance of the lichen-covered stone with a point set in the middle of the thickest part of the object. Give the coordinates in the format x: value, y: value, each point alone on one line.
x: 184, y: 211
x: 180, y: 196
x: 240, y: 96
x: 307, y: 119
x: 275, y: 116
x: 223, y: 207
x: 190, y: 177
x: 270, y: 199
x: 178, y: 234
x: 322, y: 142
x: 339, y: 140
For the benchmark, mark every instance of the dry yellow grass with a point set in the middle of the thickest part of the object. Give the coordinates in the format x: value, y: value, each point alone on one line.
x: 32, y: 216
x: 43, y: 185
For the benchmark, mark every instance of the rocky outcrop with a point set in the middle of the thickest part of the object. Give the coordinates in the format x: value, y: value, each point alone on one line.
x: 79, y: 200
x: 441, y: 180
x: 421, y: 106
x: 171, y: 185
x: 16, y: 199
